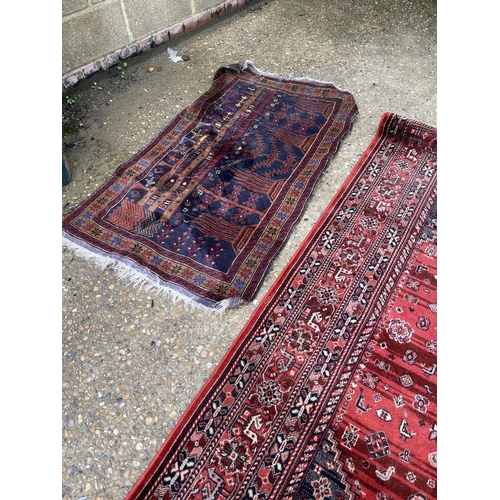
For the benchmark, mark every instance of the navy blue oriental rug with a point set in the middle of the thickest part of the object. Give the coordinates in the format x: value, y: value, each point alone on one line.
x: 201, y: 211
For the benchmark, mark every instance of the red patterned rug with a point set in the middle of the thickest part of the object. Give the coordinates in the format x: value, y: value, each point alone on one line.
x: 329, y: 391
x: 202, y: 210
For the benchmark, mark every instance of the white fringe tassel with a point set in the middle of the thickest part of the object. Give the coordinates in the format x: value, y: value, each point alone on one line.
x: 249, y: 64
x: 141, y: 281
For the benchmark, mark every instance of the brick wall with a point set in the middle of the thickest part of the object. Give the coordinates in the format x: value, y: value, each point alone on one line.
x: 98, y: 34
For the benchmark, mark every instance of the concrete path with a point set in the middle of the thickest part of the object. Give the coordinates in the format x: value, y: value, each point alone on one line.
x: 132, y: 361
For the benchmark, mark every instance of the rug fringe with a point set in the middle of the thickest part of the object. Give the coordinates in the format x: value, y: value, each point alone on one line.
x: 250, y: 65
x: 144, y: 283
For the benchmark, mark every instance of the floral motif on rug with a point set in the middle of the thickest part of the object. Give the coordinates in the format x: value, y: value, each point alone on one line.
x: 330, y: 390
x: 202, y: 210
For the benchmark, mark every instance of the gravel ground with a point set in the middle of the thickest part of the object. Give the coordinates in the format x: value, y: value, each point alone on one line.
x: 132, y: 361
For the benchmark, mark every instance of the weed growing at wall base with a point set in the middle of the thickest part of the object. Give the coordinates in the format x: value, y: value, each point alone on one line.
x: 121, y: 69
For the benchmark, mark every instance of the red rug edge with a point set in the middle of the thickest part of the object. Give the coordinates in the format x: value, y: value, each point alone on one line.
x: 143, y: 482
